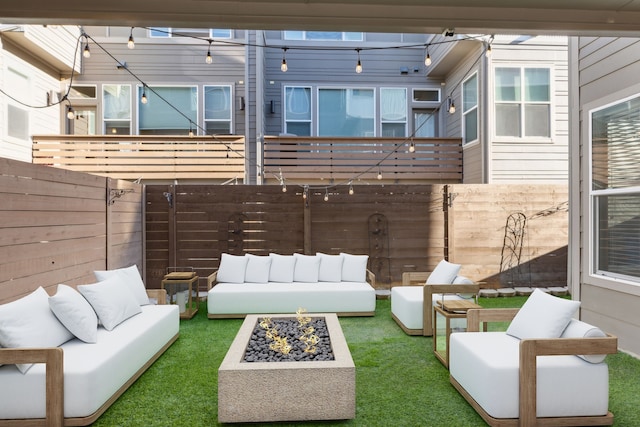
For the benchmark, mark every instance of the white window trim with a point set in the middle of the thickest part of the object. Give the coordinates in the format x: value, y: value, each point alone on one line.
x: 304, y: 36
x: 232, y: 106
x: 494, y: 102
x: 406, y: 111
x: 375, y: 102
x: 132, y: 110
x: 169, y: 33
x: 313, y: 108
x: 135, y: 101
x: 424, y: 104
x: 12, y: 66
x: 476, y: 108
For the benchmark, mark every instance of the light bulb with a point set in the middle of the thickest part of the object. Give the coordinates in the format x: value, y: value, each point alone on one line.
x: 379, y: 174
x: 427, y: 60
x: 283, y: 66
x: 86, y: 52
x: 452, y: 108
x: 359, y: 67
x: 209, y: 59
x: 488, y: 51
x: 190, y: 133
x: 304, y: 193
x: 412, y: 147
x: 131, y: 44
x: 143, y: 98
x: 70, y: 114
x: 284, y: 188
x: 351, y: 190
x: 326, y: 195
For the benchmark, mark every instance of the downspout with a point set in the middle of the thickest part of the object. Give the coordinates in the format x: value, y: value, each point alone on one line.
x: 259, y: 106
x: 575, y: 205
x: 485, y: 152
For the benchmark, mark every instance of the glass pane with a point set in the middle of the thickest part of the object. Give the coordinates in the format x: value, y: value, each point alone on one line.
x: 82, y: 92
x: 536, y: 83
x: 537, y: 120
x: 323, y: 35
x: 159, y: 117
x: 294, y: 35
x: 299, y: 128
x: 297, y: 103
x: 470, y: 93
x: 17, y: 122
x: 115, y: 127
x: 218, y: 127
x: 471, y: 126
x: 159, y: 32
x: 117, y: 101
x: 217, y: 102
x: 615, y: 145
x: 221, y: 34
x: 425, y: 124
x: 507, y: 84
x: 85, y: 122
x: 190, y: 32
x: 618, y: 234
x: 508, y: 120
x: 356, y: 37
x: 426, y: 95
x: 346, y: 112
x: 394, y: 130
x: 393, y: 104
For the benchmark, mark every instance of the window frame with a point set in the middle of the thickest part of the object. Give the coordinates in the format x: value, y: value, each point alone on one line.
x: 523, y: 103
x: 348, y: 89
x: 9, y: 104
x: 231, y: 108
x: 421, y: 103
x: 287, y: 35
x: 312, y: 108
x: 103, y: 109
x: 153, y: 86
x: 405, y: 122
x: 474, y: 109
x: 167, y: 32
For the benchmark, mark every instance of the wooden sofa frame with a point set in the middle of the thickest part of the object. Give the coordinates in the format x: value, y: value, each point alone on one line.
x: 418, y: 278
x: 530, y: 349
x: 53, y: 359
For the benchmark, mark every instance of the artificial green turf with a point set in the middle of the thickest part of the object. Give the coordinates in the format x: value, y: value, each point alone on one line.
x: 399, y: 382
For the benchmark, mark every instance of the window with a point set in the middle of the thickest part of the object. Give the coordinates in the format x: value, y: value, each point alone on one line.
x: 523, y: 102
x: 426, y: 95
x: 322, y: 35
x: 346, y: 112
x: 470, y: 109
x: 425, y: 123
x: 17, y: 115
x: 169, y: 110
x: 116, y: 109
x: 393, y: 112
x: 217, y: 109
x: 297, y: 110
x: 615, y: 188
x: 82, y: 92
x: 190, y: 32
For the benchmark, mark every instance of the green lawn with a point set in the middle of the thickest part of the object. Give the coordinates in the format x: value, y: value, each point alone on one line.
x: 398, y: 380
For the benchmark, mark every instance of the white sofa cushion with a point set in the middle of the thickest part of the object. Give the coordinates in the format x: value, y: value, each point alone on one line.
x: 354, y: 267
x: 258, y: 268
x: 330, y: 267
x: 111, y: 300
x: 406, y: 306
x: 486, y: 365
x: 542, y: 316
x: 92, y: 372
x: 444, y: 273
x: 75, y: 313
x: 306, y: 269
x: 29, y: 322
x: 282, y: 268
x: 579, y: 329
x: 232, y: 268
x: 131, y: 277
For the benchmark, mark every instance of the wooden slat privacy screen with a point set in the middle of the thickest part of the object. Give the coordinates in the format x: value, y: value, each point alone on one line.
x: 58, y: 226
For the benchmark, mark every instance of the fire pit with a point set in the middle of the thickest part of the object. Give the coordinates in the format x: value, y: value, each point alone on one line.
x: 286, y: 391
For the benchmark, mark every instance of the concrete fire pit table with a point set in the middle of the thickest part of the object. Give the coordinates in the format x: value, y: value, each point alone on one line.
x: 286, y: 391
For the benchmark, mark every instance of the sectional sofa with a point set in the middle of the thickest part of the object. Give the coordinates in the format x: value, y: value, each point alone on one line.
x: 319, y: 283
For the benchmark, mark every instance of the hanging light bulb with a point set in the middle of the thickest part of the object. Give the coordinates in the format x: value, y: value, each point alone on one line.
x: 487, y: 53
x: 452, y: 106
x: 379, y: 173
x: 350, y: 188
x: 427, y: 58
x: 86, y: 52
x: 284, y: 67
x: 326, y: 195
x: 143, y: 98
x: 305, y: 192
x: 359, y: 64
x: 70, y: 113
x: 190, y: 131
x: 131, y: 44
x: 284, y: 187
x: 209, y: 58
x: 412, y: 147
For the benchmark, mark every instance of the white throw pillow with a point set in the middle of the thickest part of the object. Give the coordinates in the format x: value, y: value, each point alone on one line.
x: 131, y: 277
x: 461, y: 280
x: 354, y: 268
x: 112, y: 301
x: 579, y: 329
x: 282, y: 267
x: 232, y: 268
x: 444, y: 273
x: 542, y: 316
x: 307, y: 268
x: 29, y: 322
x: 75, y: 313
x: 258, y: 268
x: 330, y: 267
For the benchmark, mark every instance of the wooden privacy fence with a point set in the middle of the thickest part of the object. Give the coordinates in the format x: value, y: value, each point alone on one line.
x: 401, y: 228
x: 58, y: 226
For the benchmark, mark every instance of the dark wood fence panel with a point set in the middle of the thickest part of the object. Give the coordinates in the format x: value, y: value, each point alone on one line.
x: 55, y: 228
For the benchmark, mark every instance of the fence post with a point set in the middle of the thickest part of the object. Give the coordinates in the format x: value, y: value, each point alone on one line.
x: 306, y: 218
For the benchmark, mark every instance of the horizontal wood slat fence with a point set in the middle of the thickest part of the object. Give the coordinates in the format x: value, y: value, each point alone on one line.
x: 58, y: 226
x: 401, y: 228
x: 308, y: 159
x: 148, y: 157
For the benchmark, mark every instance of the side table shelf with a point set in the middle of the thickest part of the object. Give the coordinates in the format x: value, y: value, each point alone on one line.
x: 446, y: 311
x: 180, y: 287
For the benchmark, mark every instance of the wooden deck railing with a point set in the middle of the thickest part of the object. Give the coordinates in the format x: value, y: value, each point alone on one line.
x: 311, y: 159
x: 150, y: 157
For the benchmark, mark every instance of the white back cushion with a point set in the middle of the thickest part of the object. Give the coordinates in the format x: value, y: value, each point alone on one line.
x: 444, y: 273
x: 258, y: 268
x: 112, y: 301
x: 307, y: 268
x: 542, y: 316
x: 232, y: 268
x: 354, y: 268
x: 330, y: 267
x: 75, y: 313
x: 282, y: 267
x: 131, y: 277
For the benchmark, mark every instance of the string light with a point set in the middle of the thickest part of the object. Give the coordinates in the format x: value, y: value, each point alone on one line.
x: 487, y: 53
x: 209, y: 59
x: 86, y: 52
x: 379, y: 173
x: 70, y: 113
x: 143, y: 98
x: 284, y: 67
x: 359, y: 64
x: 427, y: 58
x: 131, y: 44
x: 350, y: 188
x: 326, y: 194
x: 452, y: 106
x: 190, y: 130
x: 412, y: 146
x: 305, y: 192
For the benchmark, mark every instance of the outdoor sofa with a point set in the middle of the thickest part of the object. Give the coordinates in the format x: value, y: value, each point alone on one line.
x: 81, y: 367
x: 277, y: 283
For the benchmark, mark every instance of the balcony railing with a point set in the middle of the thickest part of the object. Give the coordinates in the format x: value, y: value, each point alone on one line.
x: 154, y: 158
x: 311, y: 159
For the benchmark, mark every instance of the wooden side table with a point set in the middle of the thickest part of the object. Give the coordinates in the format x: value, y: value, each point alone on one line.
x: 179, y: 286
x: 446, y: 311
